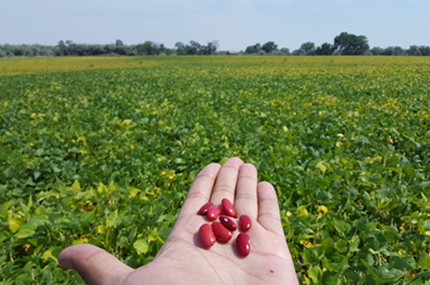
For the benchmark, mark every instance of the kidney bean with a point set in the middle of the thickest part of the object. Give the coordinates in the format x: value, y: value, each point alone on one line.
x: 245, y: 223
x: 228, y: 223
x: 228, y: 207
x: 204, y: 209
x: 242, y: 244
x: 206, y: 235
x: 222, y: 234
x: 213, y: 212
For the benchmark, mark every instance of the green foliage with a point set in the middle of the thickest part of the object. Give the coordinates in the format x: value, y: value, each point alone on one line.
x: 194, y: 48
x: 269, y: 47
x: 350, y: 44
x: 253, y: 49
x: 308, y: 47
x: 325, y: 49
x: 148, y: 48
x: 107, y: 157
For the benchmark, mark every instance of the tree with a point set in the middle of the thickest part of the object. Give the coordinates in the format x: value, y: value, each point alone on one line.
x: 212, y: 47
x: 425, y: 50
x: 284, y: 51
x: 194, y: 48
x: 414, y: 51
x: 162, y: 48
x: 350, y: 44
x: 269, y: 47
x: 148, y: 48
x: 179, y: 45
x: 308, y: 47
x: 63, y: 48
x: 299, y: 51
x: 393, y: 51
x: 70, y: 47
x: 325, y: 49
x: 215, y: 45
x: 377, y: 51
x: 253, y: 49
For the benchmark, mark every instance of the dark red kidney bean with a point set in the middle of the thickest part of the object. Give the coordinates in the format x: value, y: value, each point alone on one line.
x: 242, y: 244
x: 204, y: 209
x: 245, y: 223
x: 228, y: 223
x: 206, y: 235
x: 228, y: 208
x: 222, y: 234
x: 213, y: 212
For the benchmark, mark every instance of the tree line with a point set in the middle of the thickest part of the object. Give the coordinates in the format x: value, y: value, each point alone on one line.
x: 69, y: 48
x: 343, y: 44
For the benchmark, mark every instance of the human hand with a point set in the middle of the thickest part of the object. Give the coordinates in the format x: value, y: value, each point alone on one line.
x: 183, y: 260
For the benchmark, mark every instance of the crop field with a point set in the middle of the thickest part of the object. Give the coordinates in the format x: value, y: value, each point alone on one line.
x: 104, y: 150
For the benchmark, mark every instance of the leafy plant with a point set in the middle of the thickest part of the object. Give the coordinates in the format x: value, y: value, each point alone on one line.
x: 106, y: 156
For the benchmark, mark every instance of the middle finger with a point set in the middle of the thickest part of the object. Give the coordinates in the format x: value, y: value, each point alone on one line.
x: 226, y: 181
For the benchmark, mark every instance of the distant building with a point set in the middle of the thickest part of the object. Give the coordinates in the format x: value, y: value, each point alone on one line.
x: 232, y: 53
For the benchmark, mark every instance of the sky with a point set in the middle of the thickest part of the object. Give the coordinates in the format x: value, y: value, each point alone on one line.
x: 236, y: 24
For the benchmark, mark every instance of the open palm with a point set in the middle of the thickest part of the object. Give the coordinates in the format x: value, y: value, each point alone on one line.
x: 183, y: 260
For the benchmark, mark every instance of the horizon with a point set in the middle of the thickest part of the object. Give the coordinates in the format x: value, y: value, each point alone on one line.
x: 288, y: 23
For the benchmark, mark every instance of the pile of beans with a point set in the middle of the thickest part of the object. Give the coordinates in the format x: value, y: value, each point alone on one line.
x: 222, y: 231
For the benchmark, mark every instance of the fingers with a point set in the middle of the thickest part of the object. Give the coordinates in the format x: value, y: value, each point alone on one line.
x: 200, y: 191
x: 268, y: 209
x: 226, y: 181
x: 246, y: 192
x: 95, y: 265
x: 238, y: 183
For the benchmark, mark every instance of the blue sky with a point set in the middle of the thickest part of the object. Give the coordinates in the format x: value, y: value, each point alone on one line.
x: 235, y: 24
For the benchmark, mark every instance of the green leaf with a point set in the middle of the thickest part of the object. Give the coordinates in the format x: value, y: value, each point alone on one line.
x: 223, y: 160
x: 141, y: 245
x: 8, y: 172
x: 263, y: 166
x: 179, y: 160
x: 362, y: 139
x: 354, y: 244
x: 384, y: 274
x: 342, y: 246
x: 46, y: 277
x: 132, y: 191
x: 406, y: 263
x: 329, y: 278
x: 52, y: 253
x: 89, y: 216
x: 154, y: 235
x: 315, y: 274
x: 420, y: 278
x: 25, y: 232
x: 321, y: 167
x: 335, y: 267
x: 15, y: 223
x: 341, y: 227
x: 424, y: 260
x: 76, y: 186
x: 310, y: 258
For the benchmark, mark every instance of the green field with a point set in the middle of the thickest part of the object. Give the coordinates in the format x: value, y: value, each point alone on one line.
x: 103, y: 151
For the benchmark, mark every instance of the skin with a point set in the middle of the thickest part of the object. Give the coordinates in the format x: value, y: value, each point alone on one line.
x: 183, y: 260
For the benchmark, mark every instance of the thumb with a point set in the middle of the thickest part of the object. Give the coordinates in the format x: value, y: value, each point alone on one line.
x: 95, y: 265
